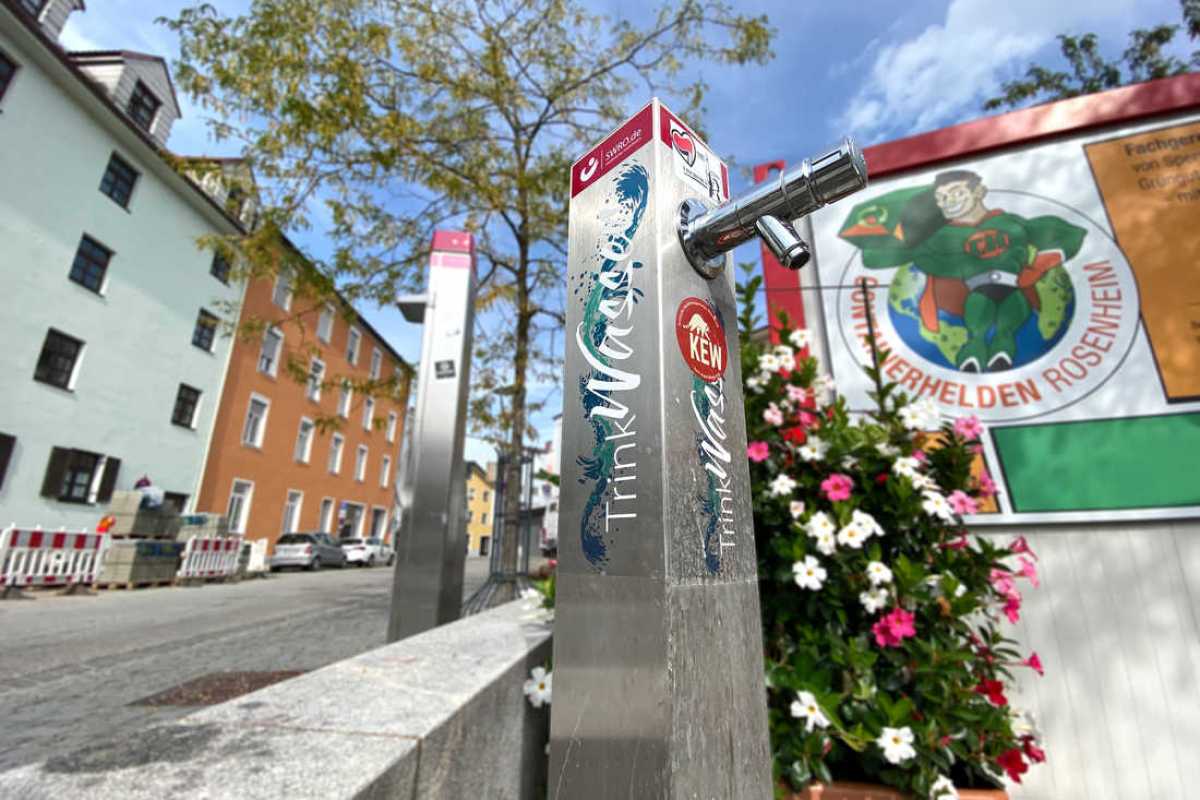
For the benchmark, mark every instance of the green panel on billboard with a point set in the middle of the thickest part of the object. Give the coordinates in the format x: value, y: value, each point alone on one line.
x: 1113, y: 464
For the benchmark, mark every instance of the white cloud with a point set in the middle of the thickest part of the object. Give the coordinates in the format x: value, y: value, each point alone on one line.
x: 949, y: 68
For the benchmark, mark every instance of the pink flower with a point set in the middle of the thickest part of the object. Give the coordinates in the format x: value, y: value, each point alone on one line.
x: 987, y: 486
x: 758, y: 451
x: 977, y: 449
x: 893, y: 629
x: 773, y: 416
x: 1034, y: 663
x: 1028, y: 570
x: 962, y: 503
x: 837, y: 487
x: 797, y: 394
x: 1032, y: 751
x: 920, y: 455
x: 1002, y: 581
x: 993, y: 691
x: 1019, y: 545
x: 808, y: 420
x: 1012, y: 606
x: 961, y: 543
x: 968, y: 427
x: 1012, y: 763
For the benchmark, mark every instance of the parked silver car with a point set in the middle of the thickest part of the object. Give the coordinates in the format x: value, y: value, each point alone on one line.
x: 307, y: 550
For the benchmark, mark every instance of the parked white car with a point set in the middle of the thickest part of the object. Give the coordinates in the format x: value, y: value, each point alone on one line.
x: 366, y: 552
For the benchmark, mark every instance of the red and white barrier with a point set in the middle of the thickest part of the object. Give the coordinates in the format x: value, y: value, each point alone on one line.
x: 33, y: 557
x: 210, y: 558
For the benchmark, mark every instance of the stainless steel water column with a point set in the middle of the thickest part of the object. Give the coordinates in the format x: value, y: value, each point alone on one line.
x: 658, y: 655
x: 431, y: 545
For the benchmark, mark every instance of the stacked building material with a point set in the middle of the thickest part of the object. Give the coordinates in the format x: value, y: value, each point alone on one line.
x: 131, y: 520
x: 139, y: 562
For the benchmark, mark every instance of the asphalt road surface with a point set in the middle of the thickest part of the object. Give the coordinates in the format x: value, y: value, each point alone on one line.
x: 71, y: 666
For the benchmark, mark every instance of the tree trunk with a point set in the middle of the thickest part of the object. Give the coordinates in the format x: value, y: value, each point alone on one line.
x: 513, y: 490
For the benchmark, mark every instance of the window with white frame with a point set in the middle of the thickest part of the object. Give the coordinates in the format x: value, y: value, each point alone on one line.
x: 316, y: 376
x: 272, y: 352
x: 391, y: 426
x: 376, y: 363
x: 239, y: 505
x: 352, y: 341
x: 336, y: 445
x: 326, y: 521
x: 385, y: 472
x: 325, y: 323
x: 368, y: 413
x: 256, y: 421
x: 304, y: 440
x: 291, y: 510
x: 344, y: 400
x: 282, y: 296
x: 360, y: 464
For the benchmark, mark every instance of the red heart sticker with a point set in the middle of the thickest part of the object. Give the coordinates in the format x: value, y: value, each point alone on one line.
x: 684, y: 145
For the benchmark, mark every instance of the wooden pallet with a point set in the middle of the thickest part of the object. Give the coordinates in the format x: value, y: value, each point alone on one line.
x: 132, y: 585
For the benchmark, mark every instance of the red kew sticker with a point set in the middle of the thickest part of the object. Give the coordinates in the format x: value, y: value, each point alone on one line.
x: 701, y: 339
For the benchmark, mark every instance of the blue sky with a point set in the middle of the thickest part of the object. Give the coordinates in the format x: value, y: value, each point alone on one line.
x: 876, y: 70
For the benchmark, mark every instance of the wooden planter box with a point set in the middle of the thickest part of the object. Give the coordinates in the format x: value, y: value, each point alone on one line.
x: 874, y: 791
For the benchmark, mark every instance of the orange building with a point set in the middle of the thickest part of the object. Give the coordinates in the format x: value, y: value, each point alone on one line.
x: 271, y: 467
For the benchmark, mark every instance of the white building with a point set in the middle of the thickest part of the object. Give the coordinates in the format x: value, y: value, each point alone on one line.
x: 545, y: 492
x: 113, y: 357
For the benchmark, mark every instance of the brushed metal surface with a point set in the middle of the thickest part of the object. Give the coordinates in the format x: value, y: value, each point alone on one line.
x: 431, y: 544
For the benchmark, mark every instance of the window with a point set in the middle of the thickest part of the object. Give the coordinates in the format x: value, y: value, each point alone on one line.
x: 239, y: 505
x: 235, y: 201
x: 376, y: 363
x: 77, y: 476
x: 385, y: 472
x: 470, y: 515
x: 325, y: 323
x: 486, y: 495
x: 483, y: 518
x: 391, y: 426
x: 91, y: 264
x: 291, y: 510
x: 118, y: 181
x: 256, y: 421
x: 470, y: 493
x: 304, y: 441
x: 368, y: 413
x: 8, y: 69
x: 282, y: 295
x: 187, y: 401
x: 326, y: 521
x: 272, y: 349
x: 205, y: 332
x: 335, y: 453
x: 8, y: 443
x: 360, y: 464
x: 143, y: 106
x: 344, y: 400
x: 398, y: 383
x: 220, y: 268
x: 60, y: 356
x: 34, y: 7
x: 316, y: 375
x: 352, y: 342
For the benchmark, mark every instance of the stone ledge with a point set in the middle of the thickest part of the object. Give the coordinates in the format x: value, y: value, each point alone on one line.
x: 438, y: 715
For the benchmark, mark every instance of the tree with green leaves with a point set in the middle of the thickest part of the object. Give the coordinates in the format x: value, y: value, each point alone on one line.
x: 386, y: 119
x: 1146, y: 58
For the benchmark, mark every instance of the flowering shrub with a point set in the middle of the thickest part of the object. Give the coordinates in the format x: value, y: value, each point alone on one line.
x: 882, y: 617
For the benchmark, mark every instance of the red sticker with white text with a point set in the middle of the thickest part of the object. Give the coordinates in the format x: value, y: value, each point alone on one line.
x: 701, y: 339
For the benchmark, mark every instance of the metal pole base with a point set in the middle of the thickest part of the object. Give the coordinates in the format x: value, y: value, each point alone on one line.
x: 497, y: 589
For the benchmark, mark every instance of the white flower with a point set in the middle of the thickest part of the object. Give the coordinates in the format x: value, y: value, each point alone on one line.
x: 820, y: 523
x: 797, y: 509
x: 852, y: 535
x: 531, y: 594
x: 805, y: 707
x: 849, y: 462
x: 906, y: 466
x: 782, y: 351
x: 787, y: 362
x: 887, y: 450
x: 768, y: 362
x: 921, y: 416
x: 782, y: 485
x: 935, y: 505
x: 873, y: 599
x: 814, y: 449
x: 809, y: 574
x: 943, y: 789
x: 924, y: 482
x: 826, y: 544
x: 823, y: 383
x: 754, y: 384
x: 896, y: 744
x: 878, y: 573
x: 537, y: 688
x: 800, y: 338
x: 1024, y: 723
x: 867, y: 523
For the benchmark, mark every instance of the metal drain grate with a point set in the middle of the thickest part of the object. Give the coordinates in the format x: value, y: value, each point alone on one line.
x: 216, y: 687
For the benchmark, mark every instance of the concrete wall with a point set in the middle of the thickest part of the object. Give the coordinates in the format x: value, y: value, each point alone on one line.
x: 436, y: 716
x: 1116, y: 625
x: 138, y: 332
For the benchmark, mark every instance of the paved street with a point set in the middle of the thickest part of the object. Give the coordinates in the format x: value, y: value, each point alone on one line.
x: 71, y: 666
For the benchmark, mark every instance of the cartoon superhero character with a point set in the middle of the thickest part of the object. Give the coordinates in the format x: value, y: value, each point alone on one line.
x: 981, y: 264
